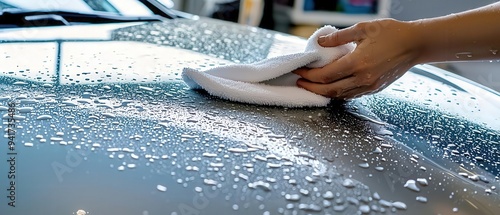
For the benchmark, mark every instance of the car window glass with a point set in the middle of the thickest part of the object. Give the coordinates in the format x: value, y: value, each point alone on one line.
x: 122, y: 7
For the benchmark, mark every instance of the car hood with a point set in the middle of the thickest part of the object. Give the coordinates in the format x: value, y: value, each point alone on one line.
x: 103, y: 122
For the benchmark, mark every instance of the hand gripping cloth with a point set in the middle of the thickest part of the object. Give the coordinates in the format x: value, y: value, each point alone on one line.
x: 270, y: 81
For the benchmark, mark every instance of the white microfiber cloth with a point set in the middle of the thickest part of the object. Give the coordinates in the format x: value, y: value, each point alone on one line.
x: 270, y: 81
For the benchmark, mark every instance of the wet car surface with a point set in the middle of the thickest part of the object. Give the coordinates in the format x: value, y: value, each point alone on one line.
x: 104, y: 123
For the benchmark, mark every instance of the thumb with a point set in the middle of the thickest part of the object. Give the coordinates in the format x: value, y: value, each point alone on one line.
x: 340, y: 37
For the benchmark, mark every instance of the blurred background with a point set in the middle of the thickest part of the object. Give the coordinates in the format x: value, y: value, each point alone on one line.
x: 302, y: 17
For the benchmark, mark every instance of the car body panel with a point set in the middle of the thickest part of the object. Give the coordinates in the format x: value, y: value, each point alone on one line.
x: 104, y: 123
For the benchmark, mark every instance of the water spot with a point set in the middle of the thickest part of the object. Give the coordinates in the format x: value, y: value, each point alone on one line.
x: 411, y: 184
x: 494, y: 51
x: 28, y: 144
x: 161, y: 188
x: 454, y: 210
x: 379, y: 168
x: 121, y: 168
x: 421, y: 199
x: 131, y: 165
x: 3, y: 98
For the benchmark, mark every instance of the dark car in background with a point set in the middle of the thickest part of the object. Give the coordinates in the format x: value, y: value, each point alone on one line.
x: 97, y: 120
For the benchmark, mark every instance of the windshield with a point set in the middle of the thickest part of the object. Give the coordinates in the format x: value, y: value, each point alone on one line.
x: 117, y: 7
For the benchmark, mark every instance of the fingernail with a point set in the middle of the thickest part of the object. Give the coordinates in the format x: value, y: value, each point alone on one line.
x: 321, y: 39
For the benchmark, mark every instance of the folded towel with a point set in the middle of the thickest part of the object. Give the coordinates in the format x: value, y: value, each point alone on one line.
x: 270, y: 81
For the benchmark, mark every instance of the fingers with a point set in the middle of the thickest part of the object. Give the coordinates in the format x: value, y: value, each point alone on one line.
x: 332, y: 90
x: 334, y: 71
x: 341, y: 37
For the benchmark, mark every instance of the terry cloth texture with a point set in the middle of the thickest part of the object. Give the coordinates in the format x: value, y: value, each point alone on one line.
x: 270, y: 81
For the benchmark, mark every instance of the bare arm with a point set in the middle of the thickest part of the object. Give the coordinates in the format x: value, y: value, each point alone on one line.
x: 387, y: 48
x: 470, y: 35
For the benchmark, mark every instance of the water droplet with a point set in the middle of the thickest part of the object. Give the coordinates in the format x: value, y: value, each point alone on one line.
x: 235, y: 207
x: 292, y: 197
x: 422, y: 181
x: 209, y: 155
x: 411, y: 184
x: 310, y: 207
x: 328, y: 195
x: 109, y: 115
x: 44, y: 117
x: 364, y: 165
x: 385, y: 145
x: 28, y: 144
x: 263, y: 185
x: 81, y: 212
x: 209, y: 182
x: 421, y: 199
x: 237, y: 150
x: 364, y: 209
x: 348, y: 183
x: 25, y: 109
x: 19, y: 83
x: 399, y: 205
x: 463, y: 54
x: 339, y: 208
x: 161, y: 188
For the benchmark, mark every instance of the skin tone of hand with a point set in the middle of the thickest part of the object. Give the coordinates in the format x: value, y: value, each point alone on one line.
x: 387, y: 48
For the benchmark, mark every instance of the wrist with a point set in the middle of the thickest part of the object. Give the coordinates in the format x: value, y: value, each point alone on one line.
x: 420, y: 47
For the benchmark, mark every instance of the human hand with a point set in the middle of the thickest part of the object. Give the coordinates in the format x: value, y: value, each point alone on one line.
x: 385, y: 50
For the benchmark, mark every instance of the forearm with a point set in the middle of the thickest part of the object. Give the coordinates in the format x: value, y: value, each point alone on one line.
x: 470, y: 35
